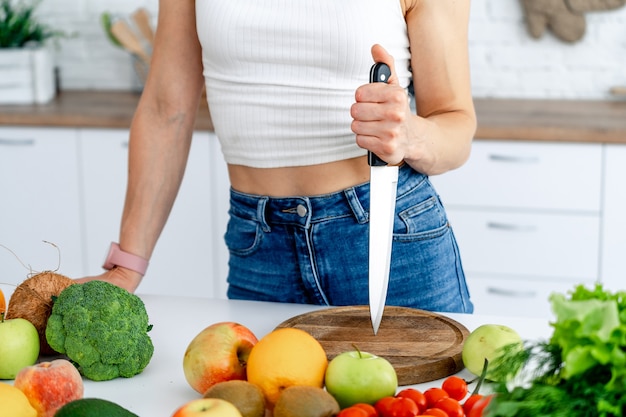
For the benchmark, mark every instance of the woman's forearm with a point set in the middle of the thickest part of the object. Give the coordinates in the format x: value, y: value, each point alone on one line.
x: 158, y: 151
x: 441, y: 136
x: 162, y: 128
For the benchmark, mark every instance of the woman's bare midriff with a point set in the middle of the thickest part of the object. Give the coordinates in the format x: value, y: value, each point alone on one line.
x: 300, y: 181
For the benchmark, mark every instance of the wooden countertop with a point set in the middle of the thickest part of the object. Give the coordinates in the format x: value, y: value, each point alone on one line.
x: 103, y: 109
x: 552, y: 120
x: 509, y: 119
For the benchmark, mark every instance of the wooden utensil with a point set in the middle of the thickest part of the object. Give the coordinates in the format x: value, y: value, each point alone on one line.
x: 141, y: 17
x: 618, y: 91
x: 422, y: 346
x: 125, y: 35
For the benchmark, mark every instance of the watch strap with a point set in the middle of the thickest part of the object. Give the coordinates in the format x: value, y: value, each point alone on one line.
x: 117, y: 257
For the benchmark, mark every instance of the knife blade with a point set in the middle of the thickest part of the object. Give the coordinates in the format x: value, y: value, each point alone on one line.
x: 383, y: 187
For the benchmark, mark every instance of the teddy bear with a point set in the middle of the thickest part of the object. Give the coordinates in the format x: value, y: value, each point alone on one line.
x: 565, y: 18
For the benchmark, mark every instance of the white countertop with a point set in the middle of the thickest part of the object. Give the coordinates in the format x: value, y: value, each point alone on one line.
x: 161, y: 388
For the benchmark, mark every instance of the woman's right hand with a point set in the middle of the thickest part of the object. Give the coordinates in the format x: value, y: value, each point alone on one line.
x: 122, y: 277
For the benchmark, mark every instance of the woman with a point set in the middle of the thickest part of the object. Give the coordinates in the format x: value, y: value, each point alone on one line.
x: 287, y: 85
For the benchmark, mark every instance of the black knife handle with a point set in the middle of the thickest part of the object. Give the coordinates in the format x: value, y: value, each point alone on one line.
x: 379, y: 73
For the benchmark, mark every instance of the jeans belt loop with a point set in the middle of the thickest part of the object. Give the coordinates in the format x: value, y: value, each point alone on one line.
x: 260, y: 214
x: 355, y: 204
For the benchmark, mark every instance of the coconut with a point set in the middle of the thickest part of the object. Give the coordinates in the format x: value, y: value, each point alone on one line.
x: 32, y: 300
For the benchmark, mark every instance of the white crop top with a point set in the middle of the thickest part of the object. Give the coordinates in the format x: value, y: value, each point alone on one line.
x: 281, y: 74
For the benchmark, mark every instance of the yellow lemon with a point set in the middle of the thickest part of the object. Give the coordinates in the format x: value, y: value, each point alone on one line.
x: 283, y: 358
x: 14, y: 402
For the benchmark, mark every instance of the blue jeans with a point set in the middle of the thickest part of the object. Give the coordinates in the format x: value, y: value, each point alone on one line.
x: 314, y: 250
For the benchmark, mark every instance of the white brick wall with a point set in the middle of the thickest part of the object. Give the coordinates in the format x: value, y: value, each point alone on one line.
x: 505, y: 60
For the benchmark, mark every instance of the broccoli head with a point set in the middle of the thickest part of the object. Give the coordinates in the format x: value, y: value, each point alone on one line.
x: 102, y: 328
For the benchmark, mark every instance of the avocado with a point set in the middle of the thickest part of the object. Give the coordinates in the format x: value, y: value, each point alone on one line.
x: 93, y: 407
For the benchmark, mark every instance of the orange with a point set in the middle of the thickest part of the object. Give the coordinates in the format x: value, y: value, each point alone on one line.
x: 283, y: 358
x: 3, y: 303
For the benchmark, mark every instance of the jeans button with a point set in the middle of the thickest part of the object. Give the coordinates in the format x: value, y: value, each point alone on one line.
x: 301, y: 210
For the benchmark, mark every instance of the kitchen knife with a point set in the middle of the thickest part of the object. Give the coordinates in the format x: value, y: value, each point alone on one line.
x: 383, y: 186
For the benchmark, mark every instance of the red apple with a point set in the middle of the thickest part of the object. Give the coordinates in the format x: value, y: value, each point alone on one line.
x: 218, y: 353
x: 50, y: 385
x: 207, y: 407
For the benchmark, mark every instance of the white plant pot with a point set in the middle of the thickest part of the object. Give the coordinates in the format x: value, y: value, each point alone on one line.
x: 26, y: 76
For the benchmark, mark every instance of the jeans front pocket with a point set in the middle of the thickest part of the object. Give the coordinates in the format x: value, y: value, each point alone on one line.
x: 420, y: 221
x: 243, y: 236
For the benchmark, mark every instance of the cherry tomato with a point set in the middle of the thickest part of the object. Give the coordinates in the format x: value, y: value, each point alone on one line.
x: 353, y: 411
x: 416, y: 395
x: 403, y: 407
x: 383, y: 405
x: 479, y: 406
x: 433, y: 395
x: 451, y: 407
x: 469, y: 403
x: 455, y: 387
x: 368, y: 408
x: 435, y: 412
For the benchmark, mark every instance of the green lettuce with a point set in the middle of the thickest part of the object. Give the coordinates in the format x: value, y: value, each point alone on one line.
x: 582, y: 370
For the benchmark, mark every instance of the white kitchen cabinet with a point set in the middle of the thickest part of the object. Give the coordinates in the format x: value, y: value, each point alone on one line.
x: 103, y: 161
x: 188, y: 257
x: 521, y: 175
x: 549, y: 245
x: 528, y: 219
x: 613, y: 272
x: 40, y: 201
x: 519, y: 297
x: 67, y: 186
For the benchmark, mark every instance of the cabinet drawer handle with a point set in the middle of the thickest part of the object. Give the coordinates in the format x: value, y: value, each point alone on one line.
x: 511, y: 293
x: 510, y: 227
x: 17, y: 142
x: 514, y: 159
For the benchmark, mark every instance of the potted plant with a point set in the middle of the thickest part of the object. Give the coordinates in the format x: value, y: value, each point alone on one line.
x: 26, y: 63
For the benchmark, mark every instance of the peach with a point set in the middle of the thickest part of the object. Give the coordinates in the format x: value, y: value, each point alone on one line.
x: 50, y: 385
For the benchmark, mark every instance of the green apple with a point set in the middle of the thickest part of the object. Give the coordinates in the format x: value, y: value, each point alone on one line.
x: 360, y: 377
x: 19, y: 346
x: 487, y: 342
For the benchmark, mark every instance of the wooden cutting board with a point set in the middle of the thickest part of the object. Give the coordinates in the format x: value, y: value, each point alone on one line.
x: 422, y: 346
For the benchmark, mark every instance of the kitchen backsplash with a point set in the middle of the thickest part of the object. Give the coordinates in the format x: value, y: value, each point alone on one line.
x: 505, y: 60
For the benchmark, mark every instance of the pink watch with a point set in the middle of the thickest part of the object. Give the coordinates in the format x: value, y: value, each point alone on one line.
x: 117, y: 257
